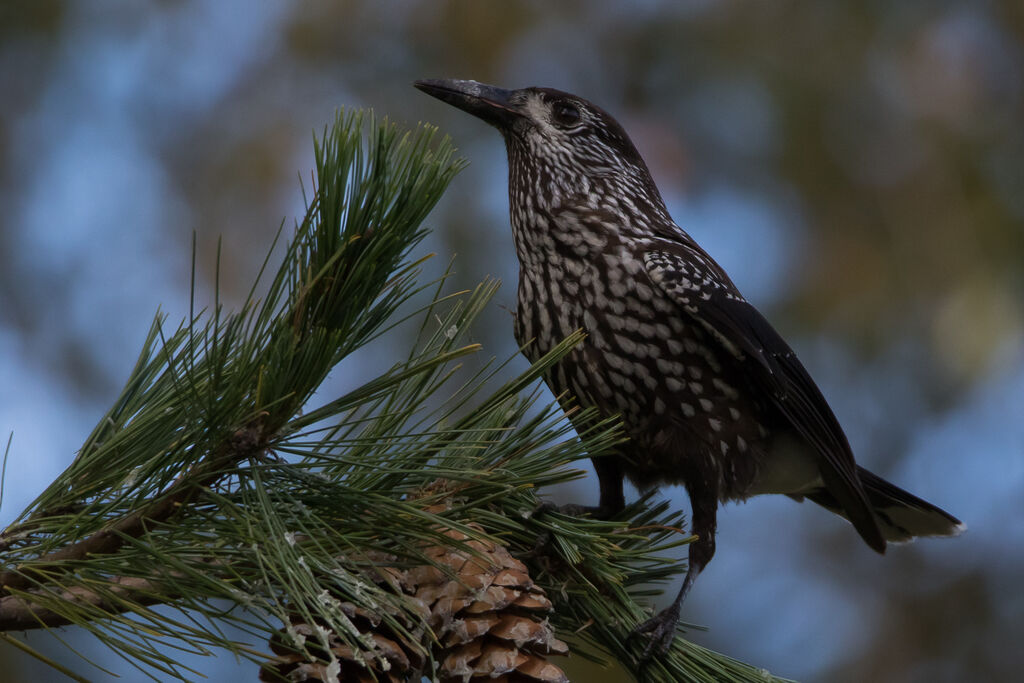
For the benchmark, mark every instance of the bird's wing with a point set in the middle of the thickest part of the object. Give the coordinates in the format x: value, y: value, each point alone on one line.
x: 704, y: 291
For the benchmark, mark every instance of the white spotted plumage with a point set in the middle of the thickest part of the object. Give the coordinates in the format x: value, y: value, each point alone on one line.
x: 709, y: 394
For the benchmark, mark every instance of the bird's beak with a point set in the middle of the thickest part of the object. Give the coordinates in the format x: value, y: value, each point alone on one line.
x: 486, y: 102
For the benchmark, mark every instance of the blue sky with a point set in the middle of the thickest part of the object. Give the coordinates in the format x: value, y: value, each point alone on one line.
x: 97, y: 216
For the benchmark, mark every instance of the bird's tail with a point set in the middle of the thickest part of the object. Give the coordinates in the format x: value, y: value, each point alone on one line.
x: 901, y: 516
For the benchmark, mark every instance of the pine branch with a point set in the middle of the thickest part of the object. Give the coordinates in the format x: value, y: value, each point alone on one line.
x: 215, y: 478
x: 19, y: 613
x: 244, y: 445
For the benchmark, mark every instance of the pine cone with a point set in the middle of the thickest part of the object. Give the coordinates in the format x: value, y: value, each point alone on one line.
x: 483, y: 608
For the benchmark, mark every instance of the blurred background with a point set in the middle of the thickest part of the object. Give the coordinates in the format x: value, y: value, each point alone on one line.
x: 857, y: 167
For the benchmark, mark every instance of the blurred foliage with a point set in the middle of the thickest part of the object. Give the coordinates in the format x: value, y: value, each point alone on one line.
x: 887, y: 137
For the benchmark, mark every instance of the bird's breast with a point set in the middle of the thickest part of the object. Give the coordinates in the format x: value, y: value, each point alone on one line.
x: 681, y: 395
x: 628, y: 323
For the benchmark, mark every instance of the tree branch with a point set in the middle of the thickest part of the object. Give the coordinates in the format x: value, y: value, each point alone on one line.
x: 20, y: 613
x: 246, y: 443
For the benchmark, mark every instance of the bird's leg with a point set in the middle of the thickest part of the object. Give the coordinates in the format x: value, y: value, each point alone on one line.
x: 661, y: 628
x: 612, y: 501
x: 609, y: 476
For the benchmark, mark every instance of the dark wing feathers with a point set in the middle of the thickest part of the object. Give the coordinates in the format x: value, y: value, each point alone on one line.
x: 704, y: 291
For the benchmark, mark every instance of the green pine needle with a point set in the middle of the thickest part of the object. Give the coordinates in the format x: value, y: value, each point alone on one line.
x: 215, y: 486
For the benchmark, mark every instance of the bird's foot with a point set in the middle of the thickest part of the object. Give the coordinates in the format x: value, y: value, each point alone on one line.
x: 545, y: 537
x: 660, y: 630
x: 570, y: 510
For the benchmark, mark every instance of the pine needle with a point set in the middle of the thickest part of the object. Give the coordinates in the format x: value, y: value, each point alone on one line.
x: 216, y: 486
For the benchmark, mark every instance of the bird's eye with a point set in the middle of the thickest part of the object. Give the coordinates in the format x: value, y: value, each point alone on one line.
x: 566, y: 113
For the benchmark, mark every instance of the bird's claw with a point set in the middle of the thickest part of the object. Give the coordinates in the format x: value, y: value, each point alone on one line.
x: 570, y: 510
x: 660, y: 630
x: 545, y: 537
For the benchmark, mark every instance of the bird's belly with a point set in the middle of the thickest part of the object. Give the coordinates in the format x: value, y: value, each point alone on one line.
x: 682, y: 397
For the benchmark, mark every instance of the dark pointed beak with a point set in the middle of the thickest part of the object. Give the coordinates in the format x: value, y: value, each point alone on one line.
x: 486, y: 102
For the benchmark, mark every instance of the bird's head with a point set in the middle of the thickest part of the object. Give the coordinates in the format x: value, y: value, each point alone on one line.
x: 558, y: 140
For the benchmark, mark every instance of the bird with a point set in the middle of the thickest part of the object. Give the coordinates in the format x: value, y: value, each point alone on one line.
x: 709, y: 395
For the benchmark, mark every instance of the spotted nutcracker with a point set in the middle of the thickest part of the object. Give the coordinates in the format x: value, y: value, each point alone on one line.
x: 710, y: 396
